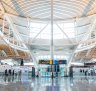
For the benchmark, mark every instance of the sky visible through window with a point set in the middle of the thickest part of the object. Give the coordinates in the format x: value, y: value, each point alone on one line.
x: 68, y: 28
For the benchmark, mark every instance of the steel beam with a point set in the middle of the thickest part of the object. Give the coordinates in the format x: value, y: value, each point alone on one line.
x: 39, y: 33
x: 63, y: 32
x: 51, y: 44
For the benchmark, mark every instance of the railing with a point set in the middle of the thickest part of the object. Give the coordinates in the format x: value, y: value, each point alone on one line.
x: 91, y: 43
x: 12, y: 40
x: 89, y: 40
x: 13, y: 43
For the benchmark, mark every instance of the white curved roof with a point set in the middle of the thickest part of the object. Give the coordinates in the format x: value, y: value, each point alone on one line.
x: 41, y: 9
x: 26, y: 12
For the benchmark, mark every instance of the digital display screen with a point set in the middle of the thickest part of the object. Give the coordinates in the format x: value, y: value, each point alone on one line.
x: 44, y: 62
x: 54, y: 62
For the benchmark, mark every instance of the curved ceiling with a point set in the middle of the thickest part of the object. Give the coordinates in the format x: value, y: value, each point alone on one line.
x: 41, y: 9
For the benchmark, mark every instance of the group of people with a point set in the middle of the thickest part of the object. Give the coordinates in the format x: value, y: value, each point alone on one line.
x: 11, y: 75
x: 88, y: 72
x: 9, y: 72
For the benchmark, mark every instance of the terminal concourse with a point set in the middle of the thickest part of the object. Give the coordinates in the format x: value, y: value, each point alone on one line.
x: 47, y: 45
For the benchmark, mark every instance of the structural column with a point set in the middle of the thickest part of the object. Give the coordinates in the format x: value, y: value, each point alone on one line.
x: 51, y: 44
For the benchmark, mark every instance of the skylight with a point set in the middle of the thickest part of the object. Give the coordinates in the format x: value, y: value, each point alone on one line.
x: 45, y: 33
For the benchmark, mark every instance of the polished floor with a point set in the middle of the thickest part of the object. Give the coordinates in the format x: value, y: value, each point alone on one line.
x: 47, y: 84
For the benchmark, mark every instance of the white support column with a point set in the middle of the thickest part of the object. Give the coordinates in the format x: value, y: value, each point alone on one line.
x: 28, y: 28
x: 71, y: 57
x: 34, y: 59
x: 1, y: 7
x: 9, y: 34
x: 69, y: 62
x: 76, y: 32
x: 51, y: 44
x: 3, y: 24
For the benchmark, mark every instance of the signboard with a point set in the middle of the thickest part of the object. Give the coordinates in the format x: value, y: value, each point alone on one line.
x: 50, y: 61
x: 61, y: 61
x: 44, y: 61
x: 89, y: 64
x: 54, y: 62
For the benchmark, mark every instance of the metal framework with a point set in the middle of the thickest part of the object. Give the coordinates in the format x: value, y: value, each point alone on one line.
x: 39, y: 32
x: 12, y: 38
x: 63, y: 9
x: 64, y: 33
x: 45, y: 10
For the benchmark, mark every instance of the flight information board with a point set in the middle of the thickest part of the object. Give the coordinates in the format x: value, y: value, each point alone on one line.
x: 53, y: 62
x: 44, y: 62
x: 59, y: 61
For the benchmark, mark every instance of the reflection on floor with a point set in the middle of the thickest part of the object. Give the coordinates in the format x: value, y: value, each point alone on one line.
x: 47, y: 84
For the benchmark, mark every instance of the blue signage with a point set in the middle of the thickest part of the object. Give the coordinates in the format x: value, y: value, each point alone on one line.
x: 54, y: 61
x: 59, y: 61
